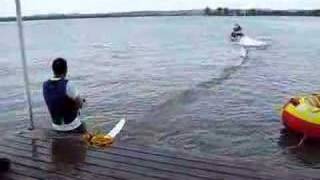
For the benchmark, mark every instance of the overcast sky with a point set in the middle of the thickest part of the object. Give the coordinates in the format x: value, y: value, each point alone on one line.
x: 30, y: 7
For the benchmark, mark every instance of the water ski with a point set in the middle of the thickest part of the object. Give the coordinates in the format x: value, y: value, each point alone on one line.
x: 248, y: 42
x: 104, y: 140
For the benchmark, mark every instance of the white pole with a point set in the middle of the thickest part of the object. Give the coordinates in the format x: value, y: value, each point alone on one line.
x: 24, y: 62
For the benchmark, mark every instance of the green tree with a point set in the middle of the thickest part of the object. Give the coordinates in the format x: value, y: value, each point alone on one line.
x: 252, y: 12
x: 225, y: 11
x: 207, y: 11
x: 220, y: 11
x: 316, y: 12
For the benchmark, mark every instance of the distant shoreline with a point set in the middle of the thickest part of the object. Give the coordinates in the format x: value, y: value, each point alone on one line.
x: 101, y: 15
x: 205, y: 12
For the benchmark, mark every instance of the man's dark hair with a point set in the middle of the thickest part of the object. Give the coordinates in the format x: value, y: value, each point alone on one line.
x: 59, y: 67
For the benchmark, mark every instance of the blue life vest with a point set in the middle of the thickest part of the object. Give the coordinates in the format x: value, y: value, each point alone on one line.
x: 63, y: 110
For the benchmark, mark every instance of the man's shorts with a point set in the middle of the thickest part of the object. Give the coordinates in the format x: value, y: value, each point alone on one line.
x: 80, y: 130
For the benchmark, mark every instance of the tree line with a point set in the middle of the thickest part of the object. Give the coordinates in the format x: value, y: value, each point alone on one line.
x: 220, y: 11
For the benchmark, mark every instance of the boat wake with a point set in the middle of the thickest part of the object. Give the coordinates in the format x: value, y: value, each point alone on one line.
x: 101, y: 45
x: 177, y: 102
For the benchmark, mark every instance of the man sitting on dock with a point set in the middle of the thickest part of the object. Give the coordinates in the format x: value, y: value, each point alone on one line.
x: 63, y: 100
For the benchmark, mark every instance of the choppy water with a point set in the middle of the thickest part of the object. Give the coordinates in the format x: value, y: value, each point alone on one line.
x: 178, y: 80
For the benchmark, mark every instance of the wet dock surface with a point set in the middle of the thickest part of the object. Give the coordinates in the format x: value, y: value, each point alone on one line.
x: 69, y: 158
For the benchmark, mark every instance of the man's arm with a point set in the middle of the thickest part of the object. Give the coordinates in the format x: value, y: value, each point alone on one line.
x: 73, y: 94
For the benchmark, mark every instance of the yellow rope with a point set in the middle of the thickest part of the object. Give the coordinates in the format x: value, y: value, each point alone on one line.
x: 315, y: 97
x: 98, y: 140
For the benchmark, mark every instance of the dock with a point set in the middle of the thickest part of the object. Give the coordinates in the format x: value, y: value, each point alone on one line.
x: 50, y: 158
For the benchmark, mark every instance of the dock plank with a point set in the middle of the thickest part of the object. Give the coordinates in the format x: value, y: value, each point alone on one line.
x: 29, y: 168
x: 90, y: 167
x: 148, y: 170
x: 169, y: 166
x: 15, y: 176
x: 227, y: 169
x: 42, y: 163
x: 42, y: 158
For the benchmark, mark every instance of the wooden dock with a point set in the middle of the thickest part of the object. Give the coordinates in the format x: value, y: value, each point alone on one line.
x: 68, y: 158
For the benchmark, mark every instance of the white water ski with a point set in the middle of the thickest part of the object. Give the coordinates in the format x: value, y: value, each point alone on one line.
x: 250, y: 42
x: 117, y: 128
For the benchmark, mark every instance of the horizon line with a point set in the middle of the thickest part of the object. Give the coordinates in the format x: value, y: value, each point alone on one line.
x: 139, y: 11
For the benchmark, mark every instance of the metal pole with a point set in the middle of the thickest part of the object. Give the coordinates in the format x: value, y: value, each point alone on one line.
x: 24, y: 62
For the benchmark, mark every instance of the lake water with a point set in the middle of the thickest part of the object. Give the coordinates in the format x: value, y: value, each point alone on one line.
x: 178, y: 80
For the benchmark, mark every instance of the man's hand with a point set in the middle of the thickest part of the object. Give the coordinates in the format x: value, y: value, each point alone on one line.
x: 79, y: 102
